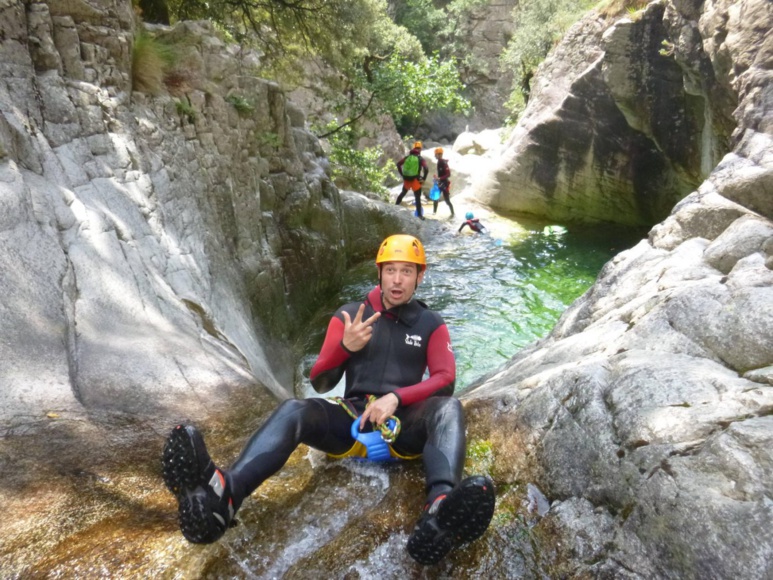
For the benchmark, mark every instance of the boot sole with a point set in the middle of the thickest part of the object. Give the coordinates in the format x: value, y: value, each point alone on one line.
x: 183, y: 477
x: 179, y: 462
x: 463, y: 517
x: 197, y: 523
x: 469, y: 511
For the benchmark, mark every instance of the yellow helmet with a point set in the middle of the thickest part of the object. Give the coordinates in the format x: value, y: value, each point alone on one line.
x: 439, y: 151
x: 417, y: 145
x: 402, y: 248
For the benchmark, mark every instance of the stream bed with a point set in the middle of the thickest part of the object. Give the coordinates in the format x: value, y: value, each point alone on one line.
x: 497, y: 292
x: 86, y: 500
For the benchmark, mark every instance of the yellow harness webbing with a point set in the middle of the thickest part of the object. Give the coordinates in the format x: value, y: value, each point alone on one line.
x: 387, y: 434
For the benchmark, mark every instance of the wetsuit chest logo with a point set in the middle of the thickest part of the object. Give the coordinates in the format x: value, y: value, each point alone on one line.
x: 413, y: 340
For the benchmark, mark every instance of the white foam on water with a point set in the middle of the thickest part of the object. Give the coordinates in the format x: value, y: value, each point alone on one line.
x: 319, y: 517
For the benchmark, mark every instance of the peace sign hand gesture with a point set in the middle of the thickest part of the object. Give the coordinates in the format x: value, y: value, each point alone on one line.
x: 357, y: 332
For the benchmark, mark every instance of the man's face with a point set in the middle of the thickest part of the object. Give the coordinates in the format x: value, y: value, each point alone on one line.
x: 398, y: 282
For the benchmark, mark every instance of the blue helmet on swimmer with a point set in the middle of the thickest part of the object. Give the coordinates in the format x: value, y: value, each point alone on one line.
x: 468, y: 215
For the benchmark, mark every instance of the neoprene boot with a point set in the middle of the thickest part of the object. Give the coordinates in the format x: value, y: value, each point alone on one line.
x: 205, y: 506
x: 453, y: 520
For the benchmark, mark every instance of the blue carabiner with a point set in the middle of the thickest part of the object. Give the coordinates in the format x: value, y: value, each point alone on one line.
x: 376, y: 447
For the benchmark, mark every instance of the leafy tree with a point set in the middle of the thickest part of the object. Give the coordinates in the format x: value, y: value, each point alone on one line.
x: 355, y: 168
x: 371, y: 64
x: 377, y: 66
x: 409, y: 90
x: 336, y: 30
x: 422, y: 20
x: 539, y: 25
x: 405, y: 90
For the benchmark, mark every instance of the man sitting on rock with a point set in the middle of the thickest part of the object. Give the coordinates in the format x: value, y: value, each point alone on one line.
x: 383, y: 345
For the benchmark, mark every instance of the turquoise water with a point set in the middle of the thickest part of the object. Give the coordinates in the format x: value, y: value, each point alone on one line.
x: 496, y: 295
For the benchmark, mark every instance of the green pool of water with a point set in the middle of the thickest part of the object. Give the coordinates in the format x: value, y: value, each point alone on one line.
x: 496, y: 294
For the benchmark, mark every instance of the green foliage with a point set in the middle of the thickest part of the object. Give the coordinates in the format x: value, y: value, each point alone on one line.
x: 339, y: 31
x: 668, y: 48
x: 151, y: 60
x: 422, y: 20
x: 407, y: 90
x: 365, y: 64
x: 515, y: 105
x: 269, y: 139
x: 184, y: 108
x: 241, y: 104
x: 539, y: 25
x: 480, y: 456
x: 356, y: 169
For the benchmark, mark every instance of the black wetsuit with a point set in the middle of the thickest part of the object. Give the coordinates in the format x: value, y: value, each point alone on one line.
x: 406, y: 341
x: 444, y: 184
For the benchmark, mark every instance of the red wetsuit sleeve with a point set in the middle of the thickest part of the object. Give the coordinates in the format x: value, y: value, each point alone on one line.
x: 442, y: 369
x: 331, y: 362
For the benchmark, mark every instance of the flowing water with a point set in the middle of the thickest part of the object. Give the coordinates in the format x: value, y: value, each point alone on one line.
x: 497, y: 293
x: 315, y: 517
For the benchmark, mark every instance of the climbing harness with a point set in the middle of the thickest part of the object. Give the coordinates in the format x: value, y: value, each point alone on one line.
x: 374, y: 445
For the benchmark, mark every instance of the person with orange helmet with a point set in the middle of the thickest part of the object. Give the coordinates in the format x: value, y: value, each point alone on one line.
x: 413, y: 169
x: 389, y: 411
x: 443, y: 180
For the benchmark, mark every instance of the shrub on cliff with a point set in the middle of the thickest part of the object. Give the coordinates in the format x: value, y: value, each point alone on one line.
x: 353, y: 168
x: 151, y: 60
x: 539, y: 25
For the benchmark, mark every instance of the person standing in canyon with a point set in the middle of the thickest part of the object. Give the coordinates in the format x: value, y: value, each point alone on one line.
x: 413, y: 169
x: 390, y: 411
x: 443, y: 179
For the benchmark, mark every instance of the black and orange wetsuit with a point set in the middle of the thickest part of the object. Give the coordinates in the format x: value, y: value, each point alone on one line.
x: 413, y: 182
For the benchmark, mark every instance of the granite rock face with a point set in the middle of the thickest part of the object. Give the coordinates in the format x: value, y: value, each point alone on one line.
x: 150, y: 244
x: 630, y: 115
x: 645, y: 415
x: 483, y: 33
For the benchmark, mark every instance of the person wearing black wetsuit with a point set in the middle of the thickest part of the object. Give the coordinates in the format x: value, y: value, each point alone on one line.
x: 383, y: 345
x: 443, y: 181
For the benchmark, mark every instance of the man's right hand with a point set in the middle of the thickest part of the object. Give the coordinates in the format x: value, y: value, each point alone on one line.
x: 357, y: 332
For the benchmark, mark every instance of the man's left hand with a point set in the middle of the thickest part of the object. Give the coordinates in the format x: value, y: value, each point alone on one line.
x: 380, y: 410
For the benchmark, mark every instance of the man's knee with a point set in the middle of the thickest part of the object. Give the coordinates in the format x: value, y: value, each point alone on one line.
x: 297, y: 408
x: 446, y: 409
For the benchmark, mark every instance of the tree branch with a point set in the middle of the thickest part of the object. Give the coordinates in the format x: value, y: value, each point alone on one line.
x: 350, y: 121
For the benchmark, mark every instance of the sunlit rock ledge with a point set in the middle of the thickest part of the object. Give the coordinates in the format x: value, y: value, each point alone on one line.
x: 153, y: 260
x: 646, y: 416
